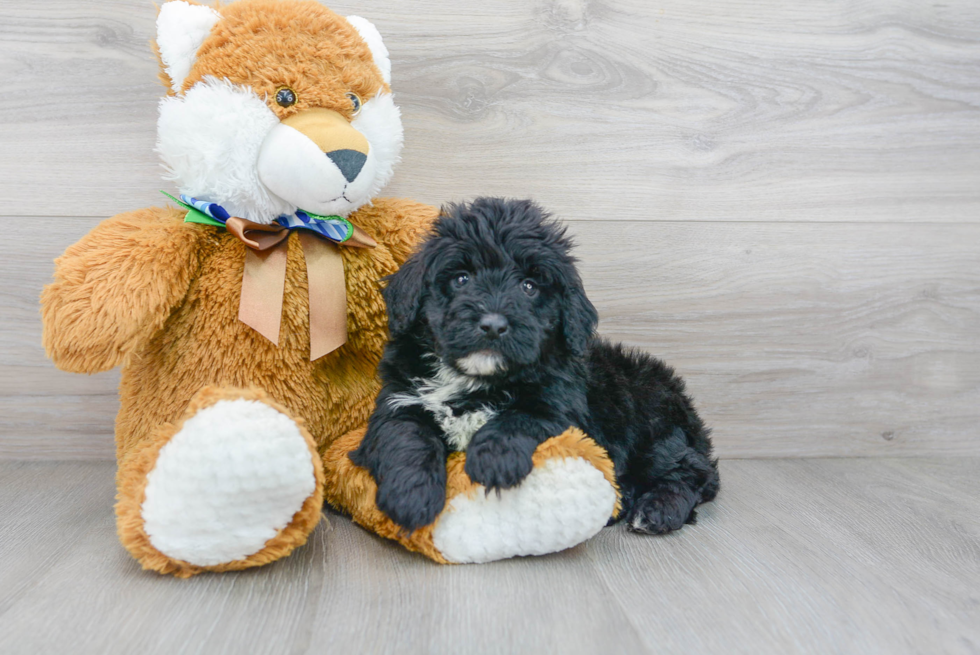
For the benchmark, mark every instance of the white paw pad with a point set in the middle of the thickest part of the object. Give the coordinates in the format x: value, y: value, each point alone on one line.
x: 559, y: 505
x: 226, y: 483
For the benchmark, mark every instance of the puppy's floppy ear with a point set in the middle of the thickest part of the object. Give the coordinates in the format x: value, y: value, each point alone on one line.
x: 579, y: 317
x: 403, y: 295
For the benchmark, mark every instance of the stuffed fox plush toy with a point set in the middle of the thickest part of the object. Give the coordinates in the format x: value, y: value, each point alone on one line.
x: 247, y: 316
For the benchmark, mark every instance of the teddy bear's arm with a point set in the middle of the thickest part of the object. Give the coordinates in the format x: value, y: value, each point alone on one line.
x: 398, y: 223
x: 116, y: 286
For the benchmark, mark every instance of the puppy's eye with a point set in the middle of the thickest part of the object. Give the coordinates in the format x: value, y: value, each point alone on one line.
x: 355, y: 103
x: 461, y: 280
x: 529, y: 287
x: 285, y: 97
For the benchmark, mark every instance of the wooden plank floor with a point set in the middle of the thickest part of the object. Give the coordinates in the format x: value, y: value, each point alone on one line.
x: 796, y: 556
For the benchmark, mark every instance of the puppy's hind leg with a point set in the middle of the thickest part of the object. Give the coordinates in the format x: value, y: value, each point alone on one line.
x: 665, y: 501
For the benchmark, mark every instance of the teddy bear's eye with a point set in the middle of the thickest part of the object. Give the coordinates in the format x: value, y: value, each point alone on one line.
x: 355, y: 103
x: 285, y: 97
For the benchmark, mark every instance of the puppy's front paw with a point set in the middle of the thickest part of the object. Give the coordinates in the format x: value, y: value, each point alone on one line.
x: 499, y: 463
x: 662, y: 510
x: 412, y: 498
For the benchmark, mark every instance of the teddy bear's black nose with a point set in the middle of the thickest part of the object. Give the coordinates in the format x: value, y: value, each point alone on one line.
x: 350, y: 162
x: 493, y: 325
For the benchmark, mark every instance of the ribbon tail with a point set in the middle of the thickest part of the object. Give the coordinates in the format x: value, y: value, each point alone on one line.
x: 263, y: 282
x: 360, y: 239
x: 328, y: 295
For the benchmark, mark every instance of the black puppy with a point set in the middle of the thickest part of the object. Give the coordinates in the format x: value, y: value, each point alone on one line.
x: 493, y: 351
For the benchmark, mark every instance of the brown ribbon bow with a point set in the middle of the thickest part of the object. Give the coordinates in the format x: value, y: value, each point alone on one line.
x: 264, y: 280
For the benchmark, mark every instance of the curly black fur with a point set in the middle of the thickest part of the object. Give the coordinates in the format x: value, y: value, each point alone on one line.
x: 489, y: 322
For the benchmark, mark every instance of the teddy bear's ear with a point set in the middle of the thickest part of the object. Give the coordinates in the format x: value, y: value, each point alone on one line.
x: 370, y: 34
x: 181, y: 29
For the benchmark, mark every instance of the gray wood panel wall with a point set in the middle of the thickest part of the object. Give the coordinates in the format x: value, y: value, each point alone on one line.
x: 781, y: 199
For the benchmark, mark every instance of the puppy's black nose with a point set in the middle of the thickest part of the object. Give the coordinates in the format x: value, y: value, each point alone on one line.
x: 350, y: 162
x: 493, y: 325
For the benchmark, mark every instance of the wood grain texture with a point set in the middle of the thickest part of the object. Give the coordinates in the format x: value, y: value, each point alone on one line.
x: 46, y: 413
x: 804, y: 339
x: 711, y: 111
x: 795, y: 556
x: 796, y: 339
x: 781, y: 201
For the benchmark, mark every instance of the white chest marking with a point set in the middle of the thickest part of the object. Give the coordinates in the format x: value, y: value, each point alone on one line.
x: 435, y: 394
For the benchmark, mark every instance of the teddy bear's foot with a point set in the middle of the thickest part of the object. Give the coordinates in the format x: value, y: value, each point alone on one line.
x: 237, y: 483
x: 567, y: 498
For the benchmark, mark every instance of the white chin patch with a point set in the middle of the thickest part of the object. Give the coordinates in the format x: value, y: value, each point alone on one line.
x: 484, y: 362
x: 209, y: 140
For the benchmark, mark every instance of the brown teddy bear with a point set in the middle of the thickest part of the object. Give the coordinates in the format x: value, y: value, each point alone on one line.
x: 248, y: 320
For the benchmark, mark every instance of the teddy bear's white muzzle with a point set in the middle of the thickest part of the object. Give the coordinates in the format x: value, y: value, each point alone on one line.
x: 316, y: 179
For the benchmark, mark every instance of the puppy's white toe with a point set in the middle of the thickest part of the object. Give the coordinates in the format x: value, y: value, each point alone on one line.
x: 226, y: 483
x: 559, y: 505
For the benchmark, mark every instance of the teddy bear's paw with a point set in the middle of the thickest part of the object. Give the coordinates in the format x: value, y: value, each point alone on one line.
x: 229, y: 481
x: 560, y: 504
